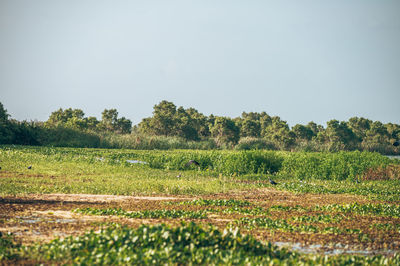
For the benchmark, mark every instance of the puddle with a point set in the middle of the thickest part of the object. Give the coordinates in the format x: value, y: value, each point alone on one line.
x: 298, y: 247
x: 33, y: 219
x: 339, y: 249
x: 65, y: 220
x: 136, y: 161
x: 29, y: 219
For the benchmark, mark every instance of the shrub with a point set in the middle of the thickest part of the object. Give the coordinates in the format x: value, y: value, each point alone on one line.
x: 332, y: 166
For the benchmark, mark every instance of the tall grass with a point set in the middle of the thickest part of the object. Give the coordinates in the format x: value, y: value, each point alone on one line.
x: 141, y: 142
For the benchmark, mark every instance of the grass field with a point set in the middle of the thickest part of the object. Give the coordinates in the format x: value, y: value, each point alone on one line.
x: 94, y: 206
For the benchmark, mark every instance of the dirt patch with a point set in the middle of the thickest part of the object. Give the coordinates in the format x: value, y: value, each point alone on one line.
x: 82, y: 198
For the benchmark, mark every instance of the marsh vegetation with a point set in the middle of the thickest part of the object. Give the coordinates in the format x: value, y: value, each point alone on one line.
x: 101, y: 206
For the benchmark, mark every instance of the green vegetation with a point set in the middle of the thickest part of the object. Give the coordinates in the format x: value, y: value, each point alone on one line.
x: 131, y: 172
x: 384, y: 209
x: 91, y: 171
x: 160, y: 244
x: 300, y: 227
x: 185, y: 244
x: 8, y: 247
x: 253, y: 210
x: 386, y: 226
x: 332, y: 166
x: 153, y: 214
x: 320, y: 218
x: 213, y: 202
x: 173, y: 127
x: 364, y: 209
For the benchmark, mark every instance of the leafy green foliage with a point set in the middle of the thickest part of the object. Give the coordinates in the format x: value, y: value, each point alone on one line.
x: 8, y: 248
x: 225, y: 132
x: 254, y: 210
x: 218, y: 171
x: 364, y: 209
x: 331, y: 166
x: 160, y: 244
x: 215, y: 202
x: 320, y: 218
x: 287, y: 208
x: 239, y: 163
x: 185, y: 244
x: 154, y: 214
x: 386, y: 226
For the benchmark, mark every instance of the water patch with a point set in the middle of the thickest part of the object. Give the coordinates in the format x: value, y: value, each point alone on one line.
x: 397, y: 157
x: 337, y: 249
x: 136, y: 162
x: 29, y: 219
x: 34, y: 219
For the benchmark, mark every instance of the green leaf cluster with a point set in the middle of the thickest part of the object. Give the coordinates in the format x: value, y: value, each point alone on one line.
x: 152, y: 214
x: 160, y: 244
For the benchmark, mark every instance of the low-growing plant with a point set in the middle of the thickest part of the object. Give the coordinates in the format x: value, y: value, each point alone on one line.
x: 154, y: 214
x: 364, y: 209
x: 9, y: 250
x: 186, y: 244
x: 320, y: 218
x: 274, y: 224
x: 287, y: 208
x: 160, y: 244
x: 386, y: 226
x: 214, y: 202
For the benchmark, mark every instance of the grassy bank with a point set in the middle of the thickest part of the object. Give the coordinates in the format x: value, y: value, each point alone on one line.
x: 122, y: 172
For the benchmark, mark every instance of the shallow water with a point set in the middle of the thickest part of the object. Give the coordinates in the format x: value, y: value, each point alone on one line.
x: 135, y: 161
x: 338, y: 249
x: 393, y: 156
x: 34, y: 219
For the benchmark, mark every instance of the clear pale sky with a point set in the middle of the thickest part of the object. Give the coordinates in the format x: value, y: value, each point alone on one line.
x: 301, y: 60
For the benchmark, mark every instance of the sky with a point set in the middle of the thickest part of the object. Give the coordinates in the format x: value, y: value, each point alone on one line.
x: 300, y: 60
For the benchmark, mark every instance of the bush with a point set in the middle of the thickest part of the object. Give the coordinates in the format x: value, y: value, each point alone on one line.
x: 331, y: 166
x: 160, y: 245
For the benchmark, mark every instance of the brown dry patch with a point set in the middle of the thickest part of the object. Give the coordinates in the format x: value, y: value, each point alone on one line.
x: 391, y: 171
x: 268, y: 197
x: 6, y: 174
x: 81, y: 198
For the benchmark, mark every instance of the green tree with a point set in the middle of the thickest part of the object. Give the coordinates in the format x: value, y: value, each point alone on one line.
x: 225, y: 131
x: 250, y: 128
x: 92, y: 123
x: 377, y: 138
x: 199, y: 122
x: 123, y: 126
x: 279, y: 134
x: 394, y: 131
x: 184, y: 125
x: 302, y: 132
x: 315, y: 128
x: 72, y: 118
x: 163, y: 120
x: 359, y: 126
x: 339, y: 136
x: 6, y: 133
x: 265, y: 121
x: 109, y: 120
x: 111, y: 123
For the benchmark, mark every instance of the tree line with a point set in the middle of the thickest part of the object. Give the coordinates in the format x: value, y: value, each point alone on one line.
x: 253, y: 130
